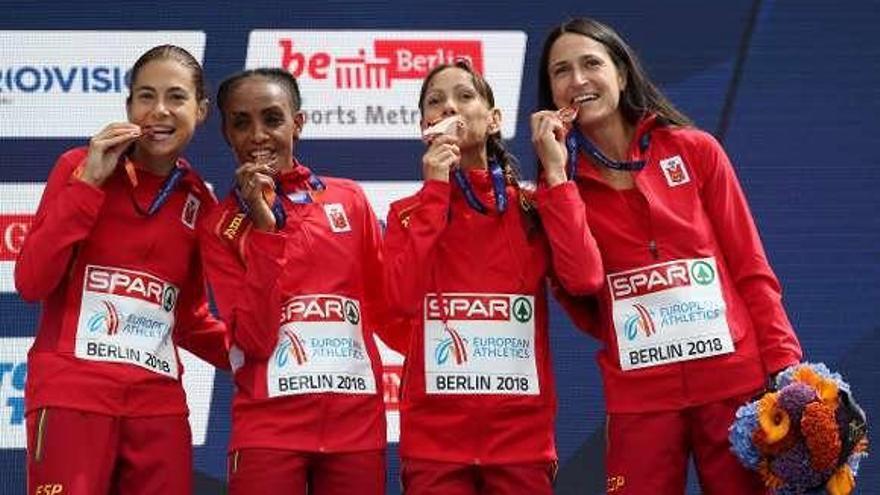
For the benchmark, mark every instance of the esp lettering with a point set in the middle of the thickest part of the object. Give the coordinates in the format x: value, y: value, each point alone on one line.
x: 50, y: 489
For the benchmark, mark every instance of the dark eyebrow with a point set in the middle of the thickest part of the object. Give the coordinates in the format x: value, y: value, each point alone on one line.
x: 273, y: 108
x: 154, y: 90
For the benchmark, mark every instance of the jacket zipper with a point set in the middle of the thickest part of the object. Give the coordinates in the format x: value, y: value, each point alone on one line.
x: 652, y: 239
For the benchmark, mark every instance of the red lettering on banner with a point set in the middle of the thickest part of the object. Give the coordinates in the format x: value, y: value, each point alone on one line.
x: 391, y: 60
x: 413, y: 59
x: 391, y: 378
x: 13, y: 228
x: 313, y: 308
x: 125, y: 283
x: 495, y: 308
x: 316, y: 66
x: 649, y: 280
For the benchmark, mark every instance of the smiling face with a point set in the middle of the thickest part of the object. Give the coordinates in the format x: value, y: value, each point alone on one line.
x: 582, y: 74
x: 164, y: 103
x: 451, y: 92
x: 260, y: 123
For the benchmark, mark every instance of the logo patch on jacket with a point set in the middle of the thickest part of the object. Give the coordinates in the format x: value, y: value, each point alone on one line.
x: 337, y: 218
x: 190, y: 211
x: 675, y: 171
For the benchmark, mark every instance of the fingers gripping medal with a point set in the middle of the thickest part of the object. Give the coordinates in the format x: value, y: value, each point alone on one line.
x: 567, y: 115
x: 270, y: 194
x: 448, y: 126
x: 268, y: 190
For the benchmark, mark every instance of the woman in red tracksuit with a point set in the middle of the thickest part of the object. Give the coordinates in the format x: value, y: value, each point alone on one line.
x: 294, y: 263
x: 691, y: 313
x: 466, y: 264
x: 114, y: 259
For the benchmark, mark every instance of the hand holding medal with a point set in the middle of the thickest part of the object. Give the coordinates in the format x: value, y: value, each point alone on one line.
x: 549, y: 130
x: 105, y: 149
x: 443, y: 152
x: 256, y: 185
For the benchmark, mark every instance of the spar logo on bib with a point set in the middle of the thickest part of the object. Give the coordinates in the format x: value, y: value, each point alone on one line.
x: 320, y: 309
x: 137, y: 285
x: 702, y: 273
x: 365, y: 84
x: 650, y: 279
x: 522, y: 310
x: 470, y: 307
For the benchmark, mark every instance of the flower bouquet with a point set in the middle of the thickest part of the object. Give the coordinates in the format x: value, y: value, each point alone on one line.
x: 806, y: 435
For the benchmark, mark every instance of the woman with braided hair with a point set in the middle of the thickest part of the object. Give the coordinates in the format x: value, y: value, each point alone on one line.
x: 466, y: 264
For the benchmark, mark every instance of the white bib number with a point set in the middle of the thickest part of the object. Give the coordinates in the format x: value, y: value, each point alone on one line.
x: 669, y: 312
x: 127, y: 317
x: 486, y: 345
x: 320, y: 348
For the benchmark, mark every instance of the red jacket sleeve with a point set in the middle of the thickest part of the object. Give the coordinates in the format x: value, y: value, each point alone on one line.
x: 198, y: 331
x: 247, y: 290
x: 376, y: 314
x: 68, y: 210
x: 577, y: 263
x: 743, y: 252
x: 414, y: 226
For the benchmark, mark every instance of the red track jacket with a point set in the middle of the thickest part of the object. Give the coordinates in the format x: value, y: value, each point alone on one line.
x: 301, y: 306
x: 686, y: 205
x: 478, y: 387
x: 115, y: 285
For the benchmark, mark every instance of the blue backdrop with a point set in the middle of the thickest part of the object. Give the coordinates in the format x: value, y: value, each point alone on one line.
x: 790, y: 88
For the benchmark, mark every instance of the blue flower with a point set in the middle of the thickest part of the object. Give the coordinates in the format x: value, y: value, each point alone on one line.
x: 741, y: 435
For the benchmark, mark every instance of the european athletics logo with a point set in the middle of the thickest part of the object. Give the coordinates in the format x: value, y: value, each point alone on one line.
x: 291, y: 346
x: 641, y: 320
x: 105, y: 320
x: 454, y: 346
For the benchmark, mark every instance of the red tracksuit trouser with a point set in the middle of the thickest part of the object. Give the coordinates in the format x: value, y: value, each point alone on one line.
x: 252, y: 471
x: 647, y: 453
x: 74, y: 452
x: 422, y: 477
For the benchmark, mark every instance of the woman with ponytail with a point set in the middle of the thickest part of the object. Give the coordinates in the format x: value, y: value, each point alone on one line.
x: 294, y: 263
x: 466, y: 266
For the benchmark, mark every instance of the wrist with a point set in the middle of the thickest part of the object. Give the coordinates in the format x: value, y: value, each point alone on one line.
x: 90, y: 179
x: 555, y: 178
x: 438, y: 176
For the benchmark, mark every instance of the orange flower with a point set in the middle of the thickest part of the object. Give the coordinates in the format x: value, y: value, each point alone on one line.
x: 826, y: 389
x: 841, y: 482
x: 773, y: 419
x: 819, y: 428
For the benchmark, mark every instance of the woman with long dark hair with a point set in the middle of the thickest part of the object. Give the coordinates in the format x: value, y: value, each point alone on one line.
x: 691, y: 313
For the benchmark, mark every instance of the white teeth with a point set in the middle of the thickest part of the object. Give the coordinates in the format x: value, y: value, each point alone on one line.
x: 159, y: 129
x: 265, y: 157
x: 584, y: 98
